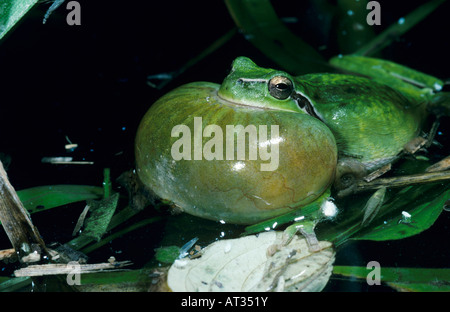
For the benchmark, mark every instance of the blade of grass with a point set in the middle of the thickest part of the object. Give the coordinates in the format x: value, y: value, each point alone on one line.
x: 262, y: 27
x: 15, y: 284
x: 107, y: 185
x: 41, y: 198
x: 11, y: 12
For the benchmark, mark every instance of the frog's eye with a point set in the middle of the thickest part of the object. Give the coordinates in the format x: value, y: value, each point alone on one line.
x: 280, y: 87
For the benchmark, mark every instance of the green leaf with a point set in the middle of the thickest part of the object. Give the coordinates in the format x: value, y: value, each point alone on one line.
x: 373, y: 206
x: 123, y: 215
x: 115, y: 277
x: 404, y: 79
x: 262, y: 27
x: 423, y: 202
x: 422, y: 217
x: 50, y: 196
x: 409, y: 279
x: 101, y: 212
x: 9, y: 284
x: 434, y: 285
x: 11, y: 11
x: 167, y: 254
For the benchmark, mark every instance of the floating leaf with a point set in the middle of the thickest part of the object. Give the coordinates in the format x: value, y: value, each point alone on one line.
x: 45, y: 197
x: 373, y: 206
x: 422, y: 217
x: 244, y: 264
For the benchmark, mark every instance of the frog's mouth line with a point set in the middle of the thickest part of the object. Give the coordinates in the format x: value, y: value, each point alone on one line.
x: 305, y: 105
x: 230, y: 101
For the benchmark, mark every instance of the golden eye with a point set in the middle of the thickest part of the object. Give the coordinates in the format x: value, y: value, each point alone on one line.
x: 280, y: 87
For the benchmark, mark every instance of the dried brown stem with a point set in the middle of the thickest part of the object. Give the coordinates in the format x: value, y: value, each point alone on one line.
x: 401, y: 181
x: 23, y: 235
x: 56, y: 269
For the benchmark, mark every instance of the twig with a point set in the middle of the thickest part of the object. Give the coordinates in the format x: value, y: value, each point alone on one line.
x: 57, y: 269
x: 23, y: 235
x: 442, y: 165
x: 7, y: 254
x: 421, y: 178
x: 377, y: 173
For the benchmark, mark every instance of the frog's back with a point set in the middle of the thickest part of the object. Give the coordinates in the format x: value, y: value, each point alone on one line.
x: 370, y: 120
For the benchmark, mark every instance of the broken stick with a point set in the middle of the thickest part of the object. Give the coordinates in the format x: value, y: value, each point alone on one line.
x: 71, y: 267
x: 400, y: 181
x: 23, y: 235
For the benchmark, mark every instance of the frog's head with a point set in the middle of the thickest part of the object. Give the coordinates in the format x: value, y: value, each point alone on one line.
x: 248, y: 84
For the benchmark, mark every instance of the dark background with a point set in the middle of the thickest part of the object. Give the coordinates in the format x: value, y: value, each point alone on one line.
x: 88, y: 82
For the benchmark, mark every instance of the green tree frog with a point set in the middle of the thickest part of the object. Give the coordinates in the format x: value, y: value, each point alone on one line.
x: 187, y: 145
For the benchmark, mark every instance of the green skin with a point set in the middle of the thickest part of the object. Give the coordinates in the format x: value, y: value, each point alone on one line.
x: 320, y: 114
x: 225, y: 189
x: 370, y: 121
